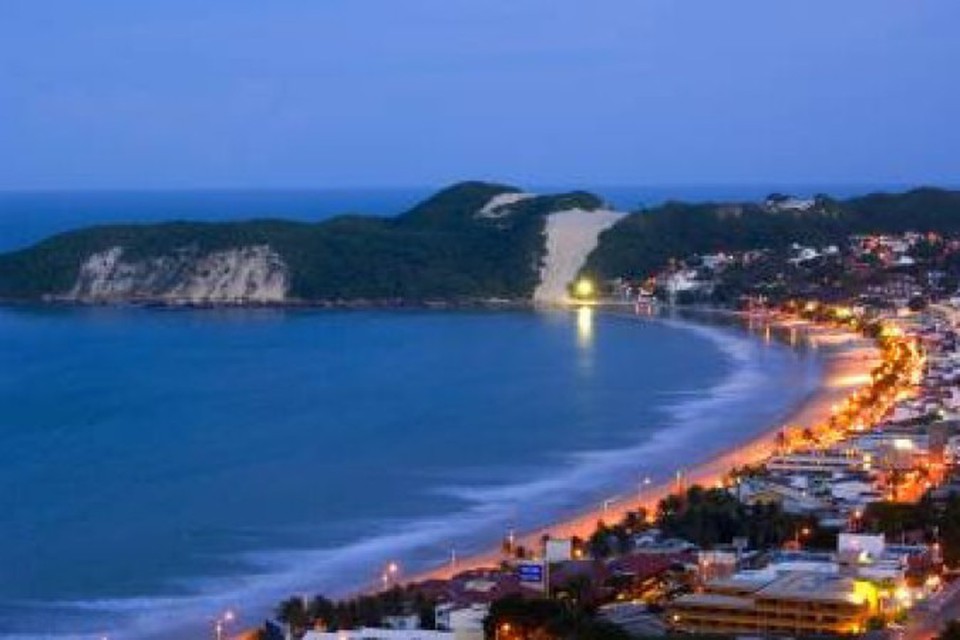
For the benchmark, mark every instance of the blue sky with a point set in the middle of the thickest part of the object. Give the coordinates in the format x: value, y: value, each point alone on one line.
x: 346, y: 93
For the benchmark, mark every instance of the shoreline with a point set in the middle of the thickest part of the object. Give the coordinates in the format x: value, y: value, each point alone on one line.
x: 845, y: 367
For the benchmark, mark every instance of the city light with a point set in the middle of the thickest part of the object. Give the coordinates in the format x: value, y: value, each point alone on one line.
x: 584, y: 288
x: 903, y: 444
x: 220, y: 624
x: 584, y: 326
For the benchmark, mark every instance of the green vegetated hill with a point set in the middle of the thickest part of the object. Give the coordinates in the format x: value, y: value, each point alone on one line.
x: 644, y: 241
x: 440, y: 249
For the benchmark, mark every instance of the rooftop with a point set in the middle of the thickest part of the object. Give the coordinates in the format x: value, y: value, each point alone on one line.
x: 715, y: 600
x: 812, y: 586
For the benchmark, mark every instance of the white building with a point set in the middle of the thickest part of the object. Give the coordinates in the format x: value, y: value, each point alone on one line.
x: 367, y: 633
x: 815, y: 462
x: 465, y: 622
x: 804, y: 254
x: 792, y: 499
x: 952, y: 451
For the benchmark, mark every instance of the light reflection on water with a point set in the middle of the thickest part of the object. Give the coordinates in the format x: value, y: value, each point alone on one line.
x: 585, y: 327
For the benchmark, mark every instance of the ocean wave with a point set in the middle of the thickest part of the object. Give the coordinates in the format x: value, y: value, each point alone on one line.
x: 273, y: 575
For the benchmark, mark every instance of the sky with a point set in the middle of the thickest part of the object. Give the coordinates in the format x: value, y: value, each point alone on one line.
x: 180, y: 94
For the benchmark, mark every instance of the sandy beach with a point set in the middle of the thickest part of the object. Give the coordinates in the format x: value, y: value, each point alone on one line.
x: 847, y: 361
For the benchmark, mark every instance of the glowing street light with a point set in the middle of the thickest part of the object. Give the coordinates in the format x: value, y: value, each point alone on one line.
x: 584, y: 288
x: 390, y: 574
x: 221, y: 623
x: 643, y: 484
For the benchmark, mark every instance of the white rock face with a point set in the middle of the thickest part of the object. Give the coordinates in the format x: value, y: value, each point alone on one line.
x: 499, y: 205
x: 255, y: 274
x: 571, y: 236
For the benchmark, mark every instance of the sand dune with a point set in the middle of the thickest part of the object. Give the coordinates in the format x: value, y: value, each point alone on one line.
x: 571, y: 236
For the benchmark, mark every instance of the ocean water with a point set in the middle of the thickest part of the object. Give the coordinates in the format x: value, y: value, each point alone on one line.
x: 157, y: 467
x: 27, y: 217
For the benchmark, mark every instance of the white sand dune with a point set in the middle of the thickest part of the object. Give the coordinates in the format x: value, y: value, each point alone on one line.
x: 571, y: 236
x: 499, y: 205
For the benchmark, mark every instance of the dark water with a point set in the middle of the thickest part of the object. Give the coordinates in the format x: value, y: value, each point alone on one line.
x: 158, y: 466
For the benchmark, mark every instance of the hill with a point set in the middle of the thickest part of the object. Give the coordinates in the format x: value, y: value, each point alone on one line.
x: 646, y: 240
x: 470, y: 241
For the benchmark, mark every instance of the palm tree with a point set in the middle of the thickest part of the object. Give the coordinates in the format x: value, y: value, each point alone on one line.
x: 293, y: 612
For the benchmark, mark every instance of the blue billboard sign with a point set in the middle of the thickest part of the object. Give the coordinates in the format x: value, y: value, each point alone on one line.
x: 530, y: 572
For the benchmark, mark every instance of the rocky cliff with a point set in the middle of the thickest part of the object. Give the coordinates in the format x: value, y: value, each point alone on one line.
x: 255, y: 274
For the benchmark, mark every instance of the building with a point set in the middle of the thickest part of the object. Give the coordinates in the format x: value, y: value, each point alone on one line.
x: 828, y: 462
x: 466, y: 623
x: 794, y: 603
x: 369, y: 633
x: 402, y: 622
x: 791, y: 499
x: 714, y: 565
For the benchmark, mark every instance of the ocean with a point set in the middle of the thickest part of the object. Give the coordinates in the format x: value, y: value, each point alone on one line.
x: 159, y: 466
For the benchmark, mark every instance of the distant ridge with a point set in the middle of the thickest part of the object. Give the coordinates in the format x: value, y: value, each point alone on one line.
x: 473, y: 241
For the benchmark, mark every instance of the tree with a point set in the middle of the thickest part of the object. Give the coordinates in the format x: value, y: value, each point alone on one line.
x: 917, y: 303
x: 712, y: 516
x: 602, y: 543
x: 542, y: 619
x: 293, y: 612
x: 578, y: 592
x: 323, y: 611
x: 950, y: 631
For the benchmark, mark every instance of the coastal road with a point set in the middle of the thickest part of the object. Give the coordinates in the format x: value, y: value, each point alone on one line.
x: 926, y: 623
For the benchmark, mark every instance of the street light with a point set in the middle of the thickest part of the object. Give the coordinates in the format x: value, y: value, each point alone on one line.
x: 584, y: 288
x: 390, y: 574
x: 220, y: 624
x: 644, y: 483
x: 607, y: 504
